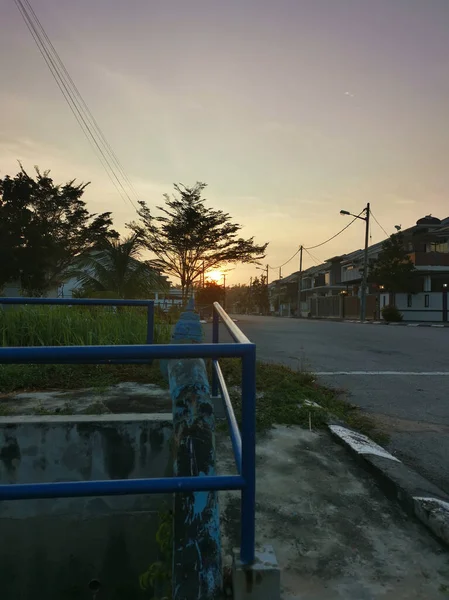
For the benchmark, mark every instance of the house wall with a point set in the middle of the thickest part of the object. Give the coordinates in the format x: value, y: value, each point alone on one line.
x: 413, y: 306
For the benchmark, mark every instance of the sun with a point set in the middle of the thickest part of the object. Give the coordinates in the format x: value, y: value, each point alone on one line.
x: 215, y: 276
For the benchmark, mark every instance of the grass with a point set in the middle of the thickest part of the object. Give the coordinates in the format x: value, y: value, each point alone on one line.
x: 281, y: 390
x: 281, y: 394
x: 69, y: 326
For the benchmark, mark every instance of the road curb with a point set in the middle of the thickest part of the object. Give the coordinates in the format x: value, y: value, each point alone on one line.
x: 393, y: 324
x: 418, y: 496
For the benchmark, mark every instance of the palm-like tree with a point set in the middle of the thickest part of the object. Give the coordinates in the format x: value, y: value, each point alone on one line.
x: 115, y: 269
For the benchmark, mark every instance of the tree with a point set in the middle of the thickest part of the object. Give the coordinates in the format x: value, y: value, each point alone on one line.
x: 259, y: 295
x: 114, y: 270
x: 393, y: 268
x: 189, y: 238
x: 43, y: 227
x: 208, y: 294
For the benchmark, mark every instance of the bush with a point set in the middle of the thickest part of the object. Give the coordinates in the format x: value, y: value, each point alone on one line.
x: 391, y: 314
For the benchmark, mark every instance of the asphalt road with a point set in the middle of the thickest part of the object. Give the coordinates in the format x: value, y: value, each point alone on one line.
x: 395, y: 373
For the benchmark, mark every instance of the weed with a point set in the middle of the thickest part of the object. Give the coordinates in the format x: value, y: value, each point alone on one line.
x: 282, y: 393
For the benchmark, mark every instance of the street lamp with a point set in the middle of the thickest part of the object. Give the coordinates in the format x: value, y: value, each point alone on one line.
x: 366, y: 210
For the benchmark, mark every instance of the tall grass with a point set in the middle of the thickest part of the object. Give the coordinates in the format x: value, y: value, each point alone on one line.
x: 73, y: 326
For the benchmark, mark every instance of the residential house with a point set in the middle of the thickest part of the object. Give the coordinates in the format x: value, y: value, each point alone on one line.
x: 333, y: 288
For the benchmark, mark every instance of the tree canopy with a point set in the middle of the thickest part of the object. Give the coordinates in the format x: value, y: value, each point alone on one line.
x: 209, y: 293
x: 393, y: 268
x: 188, y: 238
x: 43, y: 227
x: 114, y: 269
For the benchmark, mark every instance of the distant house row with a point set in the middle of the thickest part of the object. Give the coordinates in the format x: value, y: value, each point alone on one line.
x: 332, y: 289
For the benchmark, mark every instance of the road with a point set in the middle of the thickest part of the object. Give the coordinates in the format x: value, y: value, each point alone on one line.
x: 400, y: 374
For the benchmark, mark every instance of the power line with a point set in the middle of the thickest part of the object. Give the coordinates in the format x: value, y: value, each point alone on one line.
x: 286, y: 262
x: 66, y: 86
x: 83, y: 103
x: 379, y: 224
x: 314, y: 258
x: 336, y: 235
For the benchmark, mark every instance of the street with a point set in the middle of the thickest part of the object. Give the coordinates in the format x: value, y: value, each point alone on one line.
x: 400, y: 374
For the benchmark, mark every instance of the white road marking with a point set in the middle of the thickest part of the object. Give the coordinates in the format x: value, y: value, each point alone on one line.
x: 360, y: 443
x: 423, y: 373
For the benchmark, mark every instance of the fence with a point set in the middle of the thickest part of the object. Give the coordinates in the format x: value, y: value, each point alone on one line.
x: 243, y: 445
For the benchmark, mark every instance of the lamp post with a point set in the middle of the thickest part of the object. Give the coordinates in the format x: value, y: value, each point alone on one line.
x: 366, y: 210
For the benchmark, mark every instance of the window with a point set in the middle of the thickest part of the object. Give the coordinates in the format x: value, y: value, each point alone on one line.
x: 409, y: 300
x: 426, y: 301
x: 439, y: 247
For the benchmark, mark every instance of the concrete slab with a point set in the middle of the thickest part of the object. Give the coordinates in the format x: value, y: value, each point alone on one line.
x: 335, y: 534
x: 125, y: 397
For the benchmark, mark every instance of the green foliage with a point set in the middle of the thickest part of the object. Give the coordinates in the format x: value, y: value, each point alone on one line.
x: 68, y: 326
x: 72, y: 377
x: 71, y: 326
x: 249, y: 299
x: 188, y: 238
x: 393, y: 268
x: 259, y: 295
x: 43, y: 227
x: 281, y: 393
x: 391, y: 314
x: 208, y: 294
x: 114, y: 270
x: 158, y: 576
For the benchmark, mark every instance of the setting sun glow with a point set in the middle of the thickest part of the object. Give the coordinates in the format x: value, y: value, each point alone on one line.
x: 215, y: 276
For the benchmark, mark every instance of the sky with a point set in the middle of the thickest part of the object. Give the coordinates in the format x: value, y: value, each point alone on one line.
x: 288, y: 110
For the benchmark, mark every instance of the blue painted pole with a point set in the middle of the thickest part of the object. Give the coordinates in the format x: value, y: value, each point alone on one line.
x: 197, y: 571
x: 248, y: 456
x: 150, y: 323
x: 215, y: 339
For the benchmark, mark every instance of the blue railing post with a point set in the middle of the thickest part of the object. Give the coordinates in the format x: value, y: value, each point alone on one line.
x: 215, y: 338
x: 150, y: 323
x: 248, y: 456
x: 196, y: 525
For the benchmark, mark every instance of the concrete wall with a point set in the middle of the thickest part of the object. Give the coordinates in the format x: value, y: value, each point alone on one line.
x: 418, y: 311
x: 53, y: 549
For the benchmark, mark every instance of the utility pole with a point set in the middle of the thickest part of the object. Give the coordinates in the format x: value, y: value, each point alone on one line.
x: 365, y: 258
x: 268, y: 293
x: 300, y: 281
x: 280, y: 273
x: 365, y: 266
x: 249, y: 295
x: 224, y: 291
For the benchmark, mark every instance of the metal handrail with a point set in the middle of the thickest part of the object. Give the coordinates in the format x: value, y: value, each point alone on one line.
x: 243, y: 444
x: 236, y: 333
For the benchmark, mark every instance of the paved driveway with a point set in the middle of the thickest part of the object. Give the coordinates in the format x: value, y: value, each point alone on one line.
x: 399, y: 373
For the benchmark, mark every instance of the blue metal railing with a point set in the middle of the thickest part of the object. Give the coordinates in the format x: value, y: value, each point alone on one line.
x: 243, y: 445
x: 149, y: 304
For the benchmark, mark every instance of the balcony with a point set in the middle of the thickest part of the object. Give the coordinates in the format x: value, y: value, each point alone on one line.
x: 430, y: 259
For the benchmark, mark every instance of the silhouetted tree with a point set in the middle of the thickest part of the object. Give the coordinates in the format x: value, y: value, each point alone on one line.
x: 393, y: 268
x: 115, y: 270
x: 43, y: 227
x: 188, y: 237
